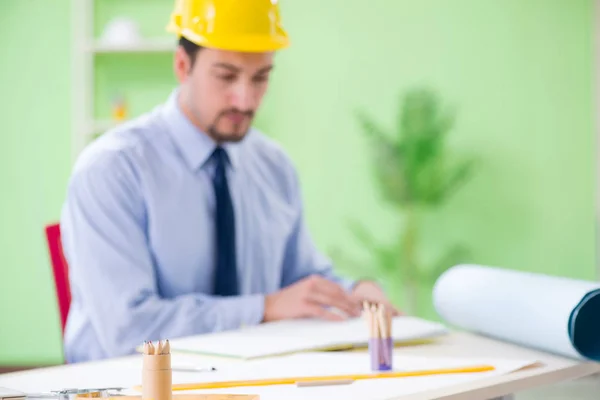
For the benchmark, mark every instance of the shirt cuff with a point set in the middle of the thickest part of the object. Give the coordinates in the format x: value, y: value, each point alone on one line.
x: 245, y: 310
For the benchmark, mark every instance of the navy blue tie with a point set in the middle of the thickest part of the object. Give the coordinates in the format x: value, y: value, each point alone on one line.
x: 226, y: 279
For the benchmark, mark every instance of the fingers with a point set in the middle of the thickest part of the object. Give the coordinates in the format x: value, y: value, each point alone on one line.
x: 330, y: 294
x: 395, y: 311
x: 315, y: 310
x: 324, y: 300
x: 389, y: 307
x: 392, y: 310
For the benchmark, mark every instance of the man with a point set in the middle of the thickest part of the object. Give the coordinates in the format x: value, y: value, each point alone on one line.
x: 187, y: 220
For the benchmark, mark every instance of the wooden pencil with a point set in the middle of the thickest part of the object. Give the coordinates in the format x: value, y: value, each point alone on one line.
x: 385, y: 333
x: 379, y: 323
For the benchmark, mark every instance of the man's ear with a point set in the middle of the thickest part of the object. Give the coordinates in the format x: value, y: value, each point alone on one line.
x: 182, y: 64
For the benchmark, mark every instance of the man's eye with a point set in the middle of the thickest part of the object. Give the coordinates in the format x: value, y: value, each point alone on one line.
x: 227, y: 78
x: 262, y: 78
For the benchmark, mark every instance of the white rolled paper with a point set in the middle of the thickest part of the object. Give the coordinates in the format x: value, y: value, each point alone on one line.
x: 552, y: 314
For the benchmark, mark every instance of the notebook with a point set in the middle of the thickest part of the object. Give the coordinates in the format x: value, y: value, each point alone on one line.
x: 290, y: 336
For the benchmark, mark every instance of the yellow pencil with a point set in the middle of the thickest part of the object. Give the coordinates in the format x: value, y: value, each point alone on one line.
x: 297, y: 380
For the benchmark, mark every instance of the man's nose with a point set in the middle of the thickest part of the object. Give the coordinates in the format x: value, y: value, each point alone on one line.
x: 243, y: 97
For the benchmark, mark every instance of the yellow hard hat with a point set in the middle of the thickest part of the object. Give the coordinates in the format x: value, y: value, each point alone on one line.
x: 174, y: 25
x: 237, y: 25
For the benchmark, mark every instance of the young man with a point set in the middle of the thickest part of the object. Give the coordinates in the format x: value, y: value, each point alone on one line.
x: 187, y: 220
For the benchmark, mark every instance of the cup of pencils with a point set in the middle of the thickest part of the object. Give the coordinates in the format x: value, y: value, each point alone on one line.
x: 157, y: 374
x: 379, y: 322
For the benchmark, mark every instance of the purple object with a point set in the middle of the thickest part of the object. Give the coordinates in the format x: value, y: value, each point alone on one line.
x: 381, y: 353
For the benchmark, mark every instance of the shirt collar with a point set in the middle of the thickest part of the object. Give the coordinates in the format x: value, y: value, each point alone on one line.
x: 195, y: 145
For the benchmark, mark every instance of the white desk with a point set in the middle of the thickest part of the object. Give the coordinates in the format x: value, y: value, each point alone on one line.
x: 554, y: 369
x: 126, y: 371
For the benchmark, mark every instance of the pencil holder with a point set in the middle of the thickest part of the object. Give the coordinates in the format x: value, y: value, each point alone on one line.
x: 381, y: 352
x: 157, y: 377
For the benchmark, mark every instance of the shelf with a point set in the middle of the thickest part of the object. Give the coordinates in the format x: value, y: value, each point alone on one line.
x: 147, y: 46
x: 87, y: 47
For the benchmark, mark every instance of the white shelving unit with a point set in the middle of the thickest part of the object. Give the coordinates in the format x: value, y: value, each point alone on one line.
x: 148, y: 46
x: 85, y: 49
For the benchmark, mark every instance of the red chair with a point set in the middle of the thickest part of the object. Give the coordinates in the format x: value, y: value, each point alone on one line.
x: 61, y: 272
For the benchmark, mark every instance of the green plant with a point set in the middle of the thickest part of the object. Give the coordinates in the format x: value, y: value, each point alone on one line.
x: 416, y: 174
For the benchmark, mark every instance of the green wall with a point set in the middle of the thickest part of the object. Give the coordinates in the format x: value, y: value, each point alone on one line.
x: 35, y: 162
x: 519, y: 73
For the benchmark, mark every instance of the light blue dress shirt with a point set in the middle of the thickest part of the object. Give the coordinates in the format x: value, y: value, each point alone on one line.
x: 138, y: 234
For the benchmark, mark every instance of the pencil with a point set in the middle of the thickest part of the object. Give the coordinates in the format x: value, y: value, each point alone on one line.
x: 376, y: 327
x: 304, y: 379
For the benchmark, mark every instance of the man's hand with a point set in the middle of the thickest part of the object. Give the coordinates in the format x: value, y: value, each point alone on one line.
x: 371, y: 292
x: 308, y: 298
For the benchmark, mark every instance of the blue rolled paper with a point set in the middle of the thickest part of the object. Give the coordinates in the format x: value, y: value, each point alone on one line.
x: 549, y: 313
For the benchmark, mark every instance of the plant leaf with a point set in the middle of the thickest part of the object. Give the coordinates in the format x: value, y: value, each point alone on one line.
x: 387, y: 162
x: 370, y: 127
x: 457, y: 178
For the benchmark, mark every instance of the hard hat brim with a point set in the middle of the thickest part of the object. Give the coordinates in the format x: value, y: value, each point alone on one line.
x: 247, y: 43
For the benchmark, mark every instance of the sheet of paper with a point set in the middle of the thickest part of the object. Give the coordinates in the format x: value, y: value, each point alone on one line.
x: 127, y: 373
x: 328, y: 364
x: 118, y: 372
x: 235, y: 344
x: 300, y: 335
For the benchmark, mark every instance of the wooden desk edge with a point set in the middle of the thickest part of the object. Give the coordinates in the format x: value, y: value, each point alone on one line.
x: 504, y: 385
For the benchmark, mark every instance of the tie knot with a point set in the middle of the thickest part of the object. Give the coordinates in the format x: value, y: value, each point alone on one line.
x: 220, y: 155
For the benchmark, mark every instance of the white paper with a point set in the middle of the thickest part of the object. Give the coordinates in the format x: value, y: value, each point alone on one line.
x: 529, y: 309
x: 235, y: 345
x: 300, y: 335
x: 330, y: 364
x: 126, y: 372
x: 119, y: 372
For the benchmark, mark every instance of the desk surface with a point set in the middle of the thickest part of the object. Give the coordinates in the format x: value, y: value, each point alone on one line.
x: 553, y: 369
x: 125, y: 371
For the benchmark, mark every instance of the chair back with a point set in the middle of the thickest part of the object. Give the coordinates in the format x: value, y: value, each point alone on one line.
x: 60, y: 270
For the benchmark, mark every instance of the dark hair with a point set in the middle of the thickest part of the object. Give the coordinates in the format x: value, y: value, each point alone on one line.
x: 191, y: 49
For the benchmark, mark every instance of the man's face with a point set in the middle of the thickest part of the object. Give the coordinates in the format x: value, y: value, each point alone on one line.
x: 222, y: 90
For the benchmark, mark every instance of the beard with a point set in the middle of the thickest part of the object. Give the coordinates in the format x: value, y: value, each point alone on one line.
x: 239, y: 131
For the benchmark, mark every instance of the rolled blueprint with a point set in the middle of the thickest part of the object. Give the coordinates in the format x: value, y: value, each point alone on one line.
x: 552, y: 314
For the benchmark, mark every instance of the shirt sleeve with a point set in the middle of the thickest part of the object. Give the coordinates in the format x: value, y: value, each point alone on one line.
x: 112, y: 271
x: 302, y: 257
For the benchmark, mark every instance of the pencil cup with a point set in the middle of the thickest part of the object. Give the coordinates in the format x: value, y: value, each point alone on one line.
x: 381, y: 351
x: 157, y: 377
